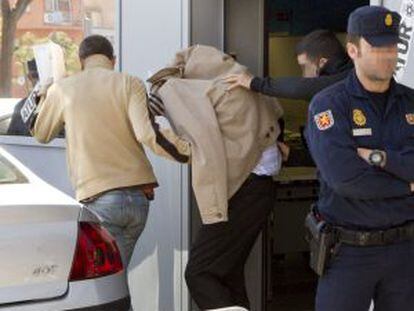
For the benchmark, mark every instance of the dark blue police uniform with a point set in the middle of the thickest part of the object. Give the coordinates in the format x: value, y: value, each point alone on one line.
x: 355, y: 194
x: 360, y: 197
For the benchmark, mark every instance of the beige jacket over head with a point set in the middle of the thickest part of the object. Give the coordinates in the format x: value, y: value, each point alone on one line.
x: 228, y: 130
x: 106, y: 119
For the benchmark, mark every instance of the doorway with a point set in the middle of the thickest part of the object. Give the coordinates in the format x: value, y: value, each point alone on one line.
x: 291, y: 284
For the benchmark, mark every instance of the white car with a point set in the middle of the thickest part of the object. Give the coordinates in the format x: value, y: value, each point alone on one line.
x: 6, y: 111
x: 54, y: 254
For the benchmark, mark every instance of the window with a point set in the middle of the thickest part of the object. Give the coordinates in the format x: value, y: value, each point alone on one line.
x: 58, y: 12
x: 64, y: 22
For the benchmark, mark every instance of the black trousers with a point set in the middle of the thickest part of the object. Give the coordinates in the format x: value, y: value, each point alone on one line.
x: 215, y: 270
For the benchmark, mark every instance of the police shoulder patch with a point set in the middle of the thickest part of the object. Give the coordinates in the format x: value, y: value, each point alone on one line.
x: 324, y: 120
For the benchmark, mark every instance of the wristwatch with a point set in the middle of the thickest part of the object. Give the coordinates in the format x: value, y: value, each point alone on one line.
x: 376, y: 158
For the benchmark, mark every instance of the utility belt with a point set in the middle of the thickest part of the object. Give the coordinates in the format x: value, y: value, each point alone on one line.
x: 325, y: 239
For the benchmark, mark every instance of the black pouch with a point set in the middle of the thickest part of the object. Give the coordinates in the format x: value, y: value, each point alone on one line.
x: 322, y: 242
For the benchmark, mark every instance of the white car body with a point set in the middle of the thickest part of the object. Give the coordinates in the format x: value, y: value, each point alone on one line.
x: 39, y: 229
x: 6, y: 111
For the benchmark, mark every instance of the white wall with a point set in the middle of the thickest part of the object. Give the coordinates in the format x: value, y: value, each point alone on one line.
x: 390, y: 4
x: 405, y: 68
x: 152, y: 31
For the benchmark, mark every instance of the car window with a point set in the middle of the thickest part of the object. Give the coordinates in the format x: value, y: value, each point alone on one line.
x: 9, y: 174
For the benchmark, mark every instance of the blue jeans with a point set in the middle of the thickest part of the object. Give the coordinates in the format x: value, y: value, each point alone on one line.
x: 358, y: 275
x: 123, y: 212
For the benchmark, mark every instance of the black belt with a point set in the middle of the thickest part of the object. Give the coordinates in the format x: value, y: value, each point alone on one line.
x: 375, y: 238
x: 254, y: 176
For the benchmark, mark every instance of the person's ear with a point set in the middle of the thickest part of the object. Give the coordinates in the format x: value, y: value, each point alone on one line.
x: 113, y: 61
x: 352, y: 50
x: 82, y: 62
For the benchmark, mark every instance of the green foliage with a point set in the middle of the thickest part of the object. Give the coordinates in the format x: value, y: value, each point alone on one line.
x: 71, y: 51
x: 24, y: 52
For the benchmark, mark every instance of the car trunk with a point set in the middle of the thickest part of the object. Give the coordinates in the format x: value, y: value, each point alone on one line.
x: 37, y: 242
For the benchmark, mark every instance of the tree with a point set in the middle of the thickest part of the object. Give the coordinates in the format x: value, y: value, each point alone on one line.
x: 10, y: 17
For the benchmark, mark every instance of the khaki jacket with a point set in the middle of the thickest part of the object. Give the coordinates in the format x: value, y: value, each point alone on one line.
x: 228, y: 130
x: 106, y: 120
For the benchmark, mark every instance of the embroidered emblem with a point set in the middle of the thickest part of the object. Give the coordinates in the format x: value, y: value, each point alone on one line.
x: 324, y: 120
x: 388, y: 20
x: 410, y: 118
x: 359, y: 117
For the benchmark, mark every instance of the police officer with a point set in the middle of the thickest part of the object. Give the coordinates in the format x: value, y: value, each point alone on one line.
x: 323, y: 61
x: 17, y: 126
x: 361, y: 136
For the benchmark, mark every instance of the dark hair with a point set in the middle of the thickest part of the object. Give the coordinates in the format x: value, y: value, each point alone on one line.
x: 32, y: 69
x: 96, y: 44
x: 321, y: 43
x: 354, y: 39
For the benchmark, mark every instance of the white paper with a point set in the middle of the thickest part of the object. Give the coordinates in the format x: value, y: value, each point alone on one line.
x: 50, y: 62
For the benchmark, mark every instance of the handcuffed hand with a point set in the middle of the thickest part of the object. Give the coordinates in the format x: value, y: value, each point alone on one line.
x: 284, y: 150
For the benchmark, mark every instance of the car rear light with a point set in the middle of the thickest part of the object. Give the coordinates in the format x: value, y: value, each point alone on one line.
x: 96, y: 253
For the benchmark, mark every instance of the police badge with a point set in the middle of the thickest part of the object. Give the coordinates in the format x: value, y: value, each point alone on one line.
x: 359, y: 118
